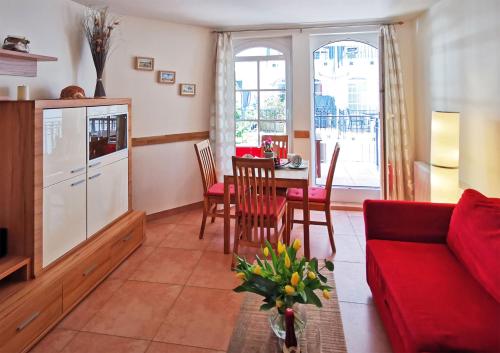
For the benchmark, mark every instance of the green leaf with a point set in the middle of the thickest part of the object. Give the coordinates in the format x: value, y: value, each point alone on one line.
x: 322, y: 278
x: 312, y: 298
x: 329, y: 265
x: 313, y: 264
x: 267, y: 306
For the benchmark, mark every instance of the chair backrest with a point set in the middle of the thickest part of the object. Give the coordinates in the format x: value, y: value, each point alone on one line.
x: 280, y: 144
x: 207, y: 164
x: 331, y: 170
x: 255, y: 189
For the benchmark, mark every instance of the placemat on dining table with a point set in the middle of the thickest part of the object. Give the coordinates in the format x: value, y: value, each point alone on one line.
x: 324, y: 331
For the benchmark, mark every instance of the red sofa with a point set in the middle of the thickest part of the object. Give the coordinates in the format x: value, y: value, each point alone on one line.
x: 434, y: 272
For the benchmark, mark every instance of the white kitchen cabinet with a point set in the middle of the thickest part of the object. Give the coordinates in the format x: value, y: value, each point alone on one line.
x: 64, y: 217
x: 107, y: 194
x: 64, y: 144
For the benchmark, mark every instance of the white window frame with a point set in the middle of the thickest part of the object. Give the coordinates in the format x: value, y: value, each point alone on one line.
x: 282, y: 45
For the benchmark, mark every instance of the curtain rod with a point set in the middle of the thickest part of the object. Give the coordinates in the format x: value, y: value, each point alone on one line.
x: 361, y: 24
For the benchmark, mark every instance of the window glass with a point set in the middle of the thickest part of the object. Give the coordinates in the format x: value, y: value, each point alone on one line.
x: 272, y: 74
x: 245, y: 75
x: 246, y: 105
x: 273, y: 105
x: 258, y: 51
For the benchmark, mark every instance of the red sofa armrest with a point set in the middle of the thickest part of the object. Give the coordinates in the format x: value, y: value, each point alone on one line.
x: 423, y: 222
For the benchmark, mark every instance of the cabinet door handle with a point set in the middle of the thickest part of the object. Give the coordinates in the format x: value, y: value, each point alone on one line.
x: 78, y: 182
x: 89, y: 270
x: 94, y: 176
x: 28, y: 321
x: 127, y: 237
x: 94, y: 164
x: 77, y: 170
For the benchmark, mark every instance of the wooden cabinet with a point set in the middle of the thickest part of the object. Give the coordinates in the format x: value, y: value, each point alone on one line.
x: 64, y: 144
x: 33, y: 315
x: 123, y: 245
x: 64, y: 217
x: 107, y: 196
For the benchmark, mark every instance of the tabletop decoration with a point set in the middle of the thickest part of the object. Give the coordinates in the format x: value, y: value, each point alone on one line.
x: 268, y: 147
x: 286, y: 281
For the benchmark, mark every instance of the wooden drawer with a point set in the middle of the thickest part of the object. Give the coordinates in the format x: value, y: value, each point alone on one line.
x: 32, y: 317
x: 83, y: 276
x: 123, y: 245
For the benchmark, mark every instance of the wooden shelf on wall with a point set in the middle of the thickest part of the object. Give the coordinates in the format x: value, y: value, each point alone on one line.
x: 16, y: 63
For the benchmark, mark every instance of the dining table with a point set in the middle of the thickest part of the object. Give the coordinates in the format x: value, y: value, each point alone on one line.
x: 286, y: 177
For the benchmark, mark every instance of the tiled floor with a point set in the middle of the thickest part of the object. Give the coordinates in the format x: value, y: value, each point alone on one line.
x: 173, y: 295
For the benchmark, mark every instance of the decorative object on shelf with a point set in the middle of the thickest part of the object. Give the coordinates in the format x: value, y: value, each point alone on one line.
x: 445, y: 143
x: 143, y: 63
x: 290, y: 345
x: 3, y: 242
x: 166, y: 77
x: 285, y: 281
x: 72, y: 92
x: 187, y: 89
x: 98, y: 27
x: 16, y: 43
x: 23, y: 93
x: 268, y: 147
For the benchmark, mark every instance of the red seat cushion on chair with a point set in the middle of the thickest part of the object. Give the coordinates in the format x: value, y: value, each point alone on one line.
x: 218, y: 190
x: 280, y: 203
x: 435, y: 304
x: 315, y: 194
x: 474, y: 237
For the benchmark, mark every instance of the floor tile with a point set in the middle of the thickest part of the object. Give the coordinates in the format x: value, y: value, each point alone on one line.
x: 159, y: 347
x: 173, y: 219
x: 214, y: 271
x: 86, y: 342
x: 358, y: 223
x: 128, y: 267
x: 363, y: 329
x: 201, y: 317
x: 55, y: 341
x: 184, y: 236
x: 82, y: 314
x: 350, y: 281
x: 348, y: 249
x: 136, y: 310
x: 166, y: 265
x: 157, y: 233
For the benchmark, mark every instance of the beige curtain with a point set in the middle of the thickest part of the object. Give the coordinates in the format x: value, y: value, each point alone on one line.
x: 398, y: 173
x: 222, y: 119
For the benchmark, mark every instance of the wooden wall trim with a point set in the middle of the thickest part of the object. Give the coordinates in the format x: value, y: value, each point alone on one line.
x: 301, y: 134
x: 161, y: 139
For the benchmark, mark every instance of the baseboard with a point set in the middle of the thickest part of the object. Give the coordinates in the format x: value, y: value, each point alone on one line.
x: 346, y: 206
x: 174, y: 211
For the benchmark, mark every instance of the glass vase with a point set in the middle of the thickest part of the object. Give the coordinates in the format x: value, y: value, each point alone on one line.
x: 277, y: 321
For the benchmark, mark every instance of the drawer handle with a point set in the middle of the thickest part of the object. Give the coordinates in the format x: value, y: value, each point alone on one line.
x: 94, y: 176
x: 28, y: 321
x: 78, y: 182
x: 127, y: 237
x: 89, y: 270
x: 94, y: 164
x: 77, y: 170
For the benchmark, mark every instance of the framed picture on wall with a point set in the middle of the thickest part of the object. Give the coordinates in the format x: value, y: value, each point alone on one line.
x: 146, y: 64
x: 166, y: 77
x: 187, y: 89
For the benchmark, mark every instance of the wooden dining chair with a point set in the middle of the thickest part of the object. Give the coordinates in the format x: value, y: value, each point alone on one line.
x: 319, y: 200
x: 280, y: 144
x: 213, y: 192
x: 258, y: 209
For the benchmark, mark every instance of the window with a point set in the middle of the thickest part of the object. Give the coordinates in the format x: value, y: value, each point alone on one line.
x: 261, y: 94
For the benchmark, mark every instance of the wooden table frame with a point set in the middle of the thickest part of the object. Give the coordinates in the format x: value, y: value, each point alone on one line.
x: 282, y: 181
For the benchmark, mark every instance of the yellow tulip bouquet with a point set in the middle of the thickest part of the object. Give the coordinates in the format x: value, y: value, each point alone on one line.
x: 282, y: 278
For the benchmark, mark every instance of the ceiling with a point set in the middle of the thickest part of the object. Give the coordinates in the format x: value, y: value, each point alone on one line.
x: 253, y: 13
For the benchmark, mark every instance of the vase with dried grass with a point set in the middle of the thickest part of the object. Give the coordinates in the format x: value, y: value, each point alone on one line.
x: 98, y: 27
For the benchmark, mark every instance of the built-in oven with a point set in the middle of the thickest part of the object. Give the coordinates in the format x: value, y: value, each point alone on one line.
x: 107, y: 134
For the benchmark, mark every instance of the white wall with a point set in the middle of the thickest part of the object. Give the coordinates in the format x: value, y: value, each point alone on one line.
x: 164, y: 176
x: 457, y: 68
x: 54, y: 29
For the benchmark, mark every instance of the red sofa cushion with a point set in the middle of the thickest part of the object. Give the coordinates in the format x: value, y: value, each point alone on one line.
x: 474, y: 237
x: 218, y: 190
x: 315, y: 194
x: 434, y: 303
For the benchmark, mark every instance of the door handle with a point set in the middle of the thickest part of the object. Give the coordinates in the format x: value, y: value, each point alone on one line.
x: 77, y: 170
x: 94, y: 176
x: 94, y: 164
x: 127, y: 237
x: 28, y: 321
x: 78, y: 182
x: 89, y: 270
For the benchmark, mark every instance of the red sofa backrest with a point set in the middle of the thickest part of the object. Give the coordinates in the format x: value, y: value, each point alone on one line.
x: 474, y: 237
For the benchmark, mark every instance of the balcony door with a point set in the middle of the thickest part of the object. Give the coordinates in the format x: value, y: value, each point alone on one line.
x: 346, y: 110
